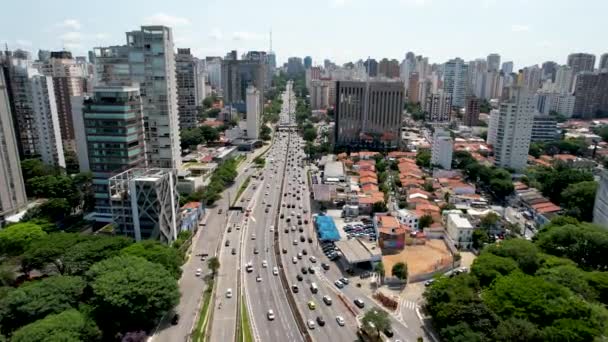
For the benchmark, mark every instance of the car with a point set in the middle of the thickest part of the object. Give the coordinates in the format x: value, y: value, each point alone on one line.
x: 229, y: 229
x: 233, y: 251
x: 299, y: 277
x: 286, y: 230
x: 325, y: 266
x: 311, y: 324
x: 388, y: 332
x: 311, y: 270
x: 220, y: 211
x: 270, y: 315
x: 275, y: 270
x: 282, y: 215
x: 300, y: 222
x: 295, y: 242
x: 284, y: 250
x: 264, y: 263
x: 359, y: 303
x: 256, y: 251
x: 227, y: 243
x: 229, y: 293
x: 294, y: 260
x: 339, y: 284
x: 258, y: 278
x: 299, y: 255
x: 302, y: 238
x: 321, y: 321
x: 340, y: 320
x: 344, y: 280
x: 198, y: 272
x: 303, y: 269
x: 175, y: 319
x: 252, y: 236
x: 304, y: 251
x: 429, y: 282
x: 288, y: 219
x: 295, y: 288
x: 305, y: 220
x: 312, y: 305
x: 293, y: 228
x: 327, y: 299
x: 301, y: 229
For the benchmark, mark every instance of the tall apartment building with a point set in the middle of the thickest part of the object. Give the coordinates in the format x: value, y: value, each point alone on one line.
x: 237, y: 75
x: 603, y: 62
x: 319, y: 94
x: 112, y: 120
x: 12, y: 189
x: 514, y: 129
x: 493, y: 126
x: 413, y: 92
x: 388, y: 68
x: 580, y: 62
x: 591, y: 93
x: 563, y: 80
x: 544, y: 128
x: 455, y: 75
x: 294, y: 66
x: 471, y: 114
x: 307, y: 62
x: 213, y: 65
x: 493, y: 60
x: 442, y: 150
x: 368, y: 114
x: 438, y: 107
x: 531, y: 78
x: 149, y: 60
x: 189, y: 82
x: 371, y: 67
x: 549, y: 70
x: 507, y: 68
x: 145, y: 204
x: 600, y: 207
x: 254, y: 113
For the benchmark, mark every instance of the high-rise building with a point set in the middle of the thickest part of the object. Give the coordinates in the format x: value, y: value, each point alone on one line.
x: 44, y: 55
x: 603, y: 62
x: 591, y: 92
x: 493, y: 126
x: 507, y: 68
x: 294, y: 66
x: 549, y: 70
x: 388, y: 68
x: 254, y: 113
x: 563, y: 80
x: 319, y: 94
x: 438, y: 107
x: 188, y: 84
x: 213, y: 65
x: 531, y: 78
x: 455, y: 80
x: 145, y: 204
x: 471, y: 115
x: 307, y: 62
x: 580, y: 62
x: 443, y: 147
x: 237, y: 75
x: 368, y: 114
x: 114, y: 141
x: 600, y: 207
x: 371, y: 67
x: 148, y: 59
x: 514, y: 129
x: 544, y: 128
x: 493, y: 62
x: 413, y: 92
x: 12, y: 189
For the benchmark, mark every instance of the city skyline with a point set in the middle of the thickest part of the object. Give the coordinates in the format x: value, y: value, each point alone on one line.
x: 332, y: 30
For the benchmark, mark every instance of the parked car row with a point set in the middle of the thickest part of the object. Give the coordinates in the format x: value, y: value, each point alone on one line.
x: 361, y: 230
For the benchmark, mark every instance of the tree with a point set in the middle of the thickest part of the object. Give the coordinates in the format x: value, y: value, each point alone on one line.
x: 55, y: 209
x: 310, y: 134
x: 35, y: 168
x: 209, y: 133
x: 400, y: 271
x: 488, y: 267
x: 208, y: 102
x: 71, y: 162
x: 524, y: 252
x: 16, y: 238
x: 378, y: 317
x: 34, y: 300
x: 423, y: 158
x: 79, y: 258
x: 425, y: 221
x: 489, y: 220
x: 49, y: 250
x: 130, y: 293
x: 379, y: 207
x: 501, y: 188
x: 190, y: 137
x: 536, y: 149
x: 578, y: 199
x: 214, y: 265
x: 67, y: 326
x: 480, y: 238
x: 379, y: 268
x: 265, y: 133
x: 156, y: 252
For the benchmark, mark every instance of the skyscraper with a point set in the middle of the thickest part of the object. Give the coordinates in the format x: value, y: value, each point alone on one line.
x: 368, y: 114
x: 149, y: 51
x: 603, y: 62
x: 294, y: 66
x: 371, y: 67
x: 455, y: 80
x: 237, y: 75
x: 471, y: 115
x: 507, y: 67
x: 213, y: 65
x: 493, y: 62
x: 531, y: 78
x: 514, y: 129
x: 581, y: 62
x: 438, y: 107
x: 188, y: 84
x: 549, y: 70
x: 307, y: 62
x: 600, y: 207
x: 563, y: 80
x: 591, y: 92
x: 254, y: 113
x: 12, y: 190
x: 413, y: 92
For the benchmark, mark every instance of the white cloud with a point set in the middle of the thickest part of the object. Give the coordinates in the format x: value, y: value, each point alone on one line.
x: 215, y: 34
x: 72, y: 37
x: 71, y: 24
x: 545, y: 44
x: 166, y: 20
x: 72, y: 46
x: 520, y: 28
x: 23, y: 43
x: 244, y: 35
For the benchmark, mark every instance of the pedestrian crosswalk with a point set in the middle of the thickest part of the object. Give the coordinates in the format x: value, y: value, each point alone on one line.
x: 408, y: 304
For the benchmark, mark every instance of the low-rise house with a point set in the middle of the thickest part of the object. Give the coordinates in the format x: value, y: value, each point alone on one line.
x: 391, y: 234
x: 459, y: 229
x: 407, y: 217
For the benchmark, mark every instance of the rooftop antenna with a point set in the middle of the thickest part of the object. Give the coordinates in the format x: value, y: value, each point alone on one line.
x: 270, y: 40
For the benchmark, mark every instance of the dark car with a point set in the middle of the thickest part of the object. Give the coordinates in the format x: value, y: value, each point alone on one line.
x: 175, y: 319
x: 302, y: 238
x: 305, y: 221
x: 311, y: 270
x: 284, y: 250
x: 309, y: 240
x: 304, y: 251
x: 282, y: 215
x: 300, y: 222
x: 256, y: 251
x: 359, y: 303
x: 325, y: 266
x: 295, y: 288
x: 304, y: 271
x: 299, y: 277
x: 388, y: 332
x: 227, y: 243
x: 320, y: 321
x: 288, y: 220
x: 233, y: 251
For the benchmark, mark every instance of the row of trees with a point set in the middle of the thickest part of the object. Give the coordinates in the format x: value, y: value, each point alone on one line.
x: 195, y: 136
x: 223, y: 176
x: 89, y: 287
x: 577, y: 147
x: 496, y: 180
x: 553, y: 289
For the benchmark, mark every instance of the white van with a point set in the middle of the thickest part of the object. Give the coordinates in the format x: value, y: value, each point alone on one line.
x: 314, y: 288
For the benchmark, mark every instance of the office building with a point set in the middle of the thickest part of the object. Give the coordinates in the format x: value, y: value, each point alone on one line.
x: 254, y: 113
x: 44, y: 55
x: 294, y: 66
x: 213, y: 66
x: 388, y: 68
x: 12, y: 189
x: 514, y: 129
x: 549, y: 70
x: 471, y: 114
x: 145, y: 204
x: 319, y: 94
x: 563, y: 80
x: 555, y: 102
x: 591, y: 92
x: 307, y: 62
x: 149, y: 51
x: 442, y: 150
x: 371, y: 67
x: 600, y: 207
x: 413, y: 92
x: 455, y: 75
x: 493, y: 62
x: 531, y: 78
x: 438, y: 107
x: 114, y: 140
x: 544, y: 128
x: 603, y: 62
x: 493, y: 126
x: 507, y: 68
x: 368, y: 114
x: 237, y: 75
x: 189, y: 82
x: 580, y: 62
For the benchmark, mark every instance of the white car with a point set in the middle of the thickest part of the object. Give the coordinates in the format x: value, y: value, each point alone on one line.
x: 299, y: 255
x: 311, y: 324
x: 270, y: 315
x: 294, y: 260
x: 340, y: 320
x: 229, y: 293
x: 264, y: 263
x: 275, y: 271
x: 258, y: 279
x: 252, y: 236
x: 198, y: 272
x: 272, y: 228
x: 312, y: 259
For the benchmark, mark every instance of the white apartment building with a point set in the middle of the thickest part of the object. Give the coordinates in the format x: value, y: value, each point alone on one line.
x: 563, y: 80
x: 514, y: 129
x: 407, y: 217
x: 443, y: 147
x: 459, y: 229
x: 254, y: 113
x: 319, y: 94
x: 438, y: 106
x: 493, y: 126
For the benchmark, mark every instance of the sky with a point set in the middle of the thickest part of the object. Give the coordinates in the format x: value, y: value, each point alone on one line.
x: 525, y: 31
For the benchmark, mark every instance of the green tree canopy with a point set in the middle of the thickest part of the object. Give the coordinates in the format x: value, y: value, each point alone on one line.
x: 131, y: 293
x: 310, y: 134
x: 399, y: 270
x: 49, y: 250
x: 190, y: 137
x: 524, y: 252
x: 488, y: 267
x: 154, y: 251
x: 67, y: 326
x: 209, y: 133
x: 16, y: 238
x: 34, y: 300
x: 423, y: 158
x: 214, y: 264
x: 578, y: 199
x: 378, y: 317
x: 79, y: 258
x: 425, y: 221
